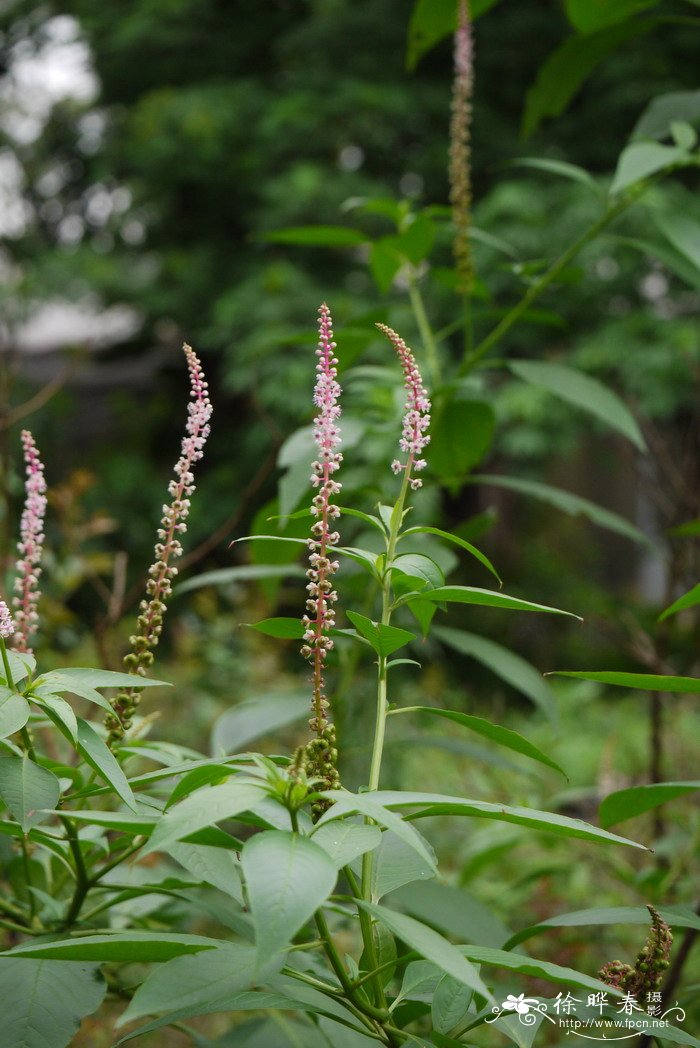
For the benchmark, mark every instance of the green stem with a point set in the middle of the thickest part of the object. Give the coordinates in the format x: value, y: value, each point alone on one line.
x: 6, y: 664
x: 82, y: 880
x: 536, y: 289
x: 426, y: 332
x: 380, y: 1014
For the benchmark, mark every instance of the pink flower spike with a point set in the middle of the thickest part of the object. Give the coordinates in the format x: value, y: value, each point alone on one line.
x: 30, y: 547
x: 7, y: 626
x: 416, y: 418
x: 320, y: 616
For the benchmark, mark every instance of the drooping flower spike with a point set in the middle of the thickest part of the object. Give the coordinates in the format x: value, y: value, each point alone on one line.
x: 460, y: 151
x: 321, y: 754
x: 30, y: 546
x: 168, y: 548
x: 417, y: 411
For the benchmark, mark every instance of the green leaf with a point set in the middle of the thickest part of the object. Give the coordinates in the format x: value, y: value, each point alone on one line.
x: 117, y: 946
x: 397, y: 863
x: 244, y: 1001
x: 431, y: 804
x: 626, y: 804
x: 450, y: 1004
x: 384, y: 639
x: 557, y: 167
x: 461, y: 434
x: 43, y: 1002
x: 205, y: 981
x: 569, y: 503
x: 664, y: 110
x: 316, y: 236
x: 144, y: 825
x: 502, y: 736
x: 14, y: 712
x: 419, y: 567
x: 684, y: 135
x: 486, y: 598
x: 584, y: 392
x: 562, y: 75
x: 384, y: 263
x: 683, y: 233
x: 100, y: 758
x: 215, y: 866
x: 344, y: 841
x: 91, y: 678
x: 22, y: 665
x: 366, y: 804
x: 516, y: 962
x: 27, y: 789
x: 60, y: 712
x: 238, y: 726
x: 283, y: 628
x: 587, y: 16
x: 640, y: 681
x: 449, y: 537
x: 676, y: 917
x: 432, y: 20
x: 688, y: 600
x: 288, y: 878
x: 502, y: 661
x: 204, y: 808
x: 430, y: 945
x: 454, y: 911
x: 642, y: 159
x: 243, y: 573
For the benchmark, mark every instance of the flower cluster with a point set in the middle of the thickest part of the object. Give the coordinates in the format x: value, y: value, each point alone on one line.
x: 460, y: 154
x: 320, y: 753
x: 30, y: 546
x: 168, y: 547
x: 7, y: 626
x: 319, y: 617
x: 650, y: 965
x: 416, y: 418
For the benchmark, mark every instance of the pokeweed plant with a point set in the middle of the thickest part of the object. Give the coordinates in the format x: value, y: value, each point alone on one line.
x: 116, y: 867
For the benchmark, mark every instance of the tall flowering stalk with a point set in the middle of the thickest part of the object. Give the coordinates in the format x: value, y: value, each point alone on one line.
x: 321, y: 754
x: 416, y: 418
x: 460, y: 151
x: 30, y: 546
x: 167, y: 549
x: 7, y: 626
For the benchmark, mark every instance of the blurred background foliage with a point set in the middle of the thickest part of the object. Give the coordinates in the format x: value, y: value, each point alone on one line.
x: 152, y: 151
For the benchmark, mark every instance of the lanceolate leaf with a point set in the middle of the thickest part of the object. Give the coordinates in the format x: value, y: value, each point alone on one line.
x: 368, y: 804
x: 202, y: 809
x: 676, y: 917
x: 432, y: 946
x: 27, y: 789
x: 91, y: 678
x: 505, y: 663
x: 584, y: 392
x: 537, y: 969
x: 503, y: 736
x: 285, y: 628
x: 118, y: 946
x: 253, y: 718
x: 195, y: 982
x: 569, y: 503
x: 43, y: 1002
x: 100, y: 758
x: 144, y: 825
x: 642, y: 159
x: 429, y: 804
x: 626, y: 804
x: 485, y: 598
x: 640, y: 681
x: 688, y: 600
x: 462, y: 543
x: 288, y: 878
